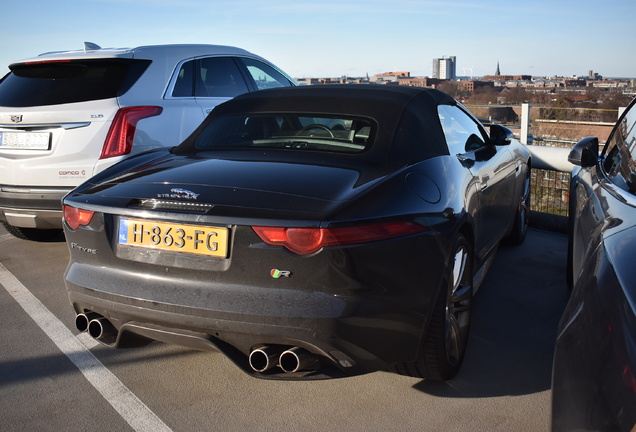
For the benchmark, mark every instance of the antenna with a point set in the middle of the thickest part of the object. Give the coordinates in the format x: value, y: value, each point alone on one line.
x: 90, y: 46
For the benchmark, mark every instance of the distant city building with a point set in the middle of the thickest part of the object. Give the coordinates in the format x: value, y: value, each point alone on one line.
x: 499, y: 77
x: 575, y: 87
x: 507, y: 77
x: 421, y: 82
x: 471, y: 86
x: 341, y: 80
x: 394, y: 74
x: 444, y: 68
x: 575, y: 82
x: 389, y: 77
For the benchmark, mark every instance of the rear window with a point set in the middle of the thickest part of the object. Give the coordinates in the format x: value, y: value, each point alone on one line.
x: 288, y: 131
x: 61, y: 82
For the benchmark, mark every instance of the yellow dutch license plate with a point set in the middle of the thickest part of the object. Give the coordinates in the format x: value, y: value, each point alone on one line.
x: 194, y: 239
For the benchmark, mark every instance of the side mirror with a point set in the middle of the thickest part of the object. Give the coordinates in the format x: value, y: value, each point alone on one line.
x: 485, y: 153
x: 585, y: 152
x: 500, y: 135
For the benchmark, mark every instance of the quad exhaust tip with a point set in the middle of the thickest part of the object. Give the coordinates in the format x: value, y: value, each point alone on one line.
x: 83, y: 320
x: 290, y: 360
x: 97, y: 326
x: 261, y: 359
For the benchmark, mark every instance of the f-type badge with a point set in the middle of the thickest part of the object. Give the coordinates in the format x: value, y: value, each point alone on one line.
x: 16, y: 118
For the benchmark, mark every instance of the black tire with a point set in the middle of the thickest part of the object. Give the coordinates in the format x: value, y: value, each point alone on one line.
x: 443, y: 347
x: 569, y: 266
x: 33, y: 234
x: 522, y: 217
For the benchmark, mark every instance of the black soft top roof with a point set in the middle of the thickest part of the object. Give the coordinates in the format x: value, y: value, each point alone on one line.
x: 408, y: 124
x: 350, y: 99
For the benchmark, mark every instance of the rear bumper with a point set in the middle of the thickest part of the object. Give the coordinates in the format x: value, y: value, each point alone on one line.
x: 32, y: 207
x: 345, y: 308
x: 347, y: 341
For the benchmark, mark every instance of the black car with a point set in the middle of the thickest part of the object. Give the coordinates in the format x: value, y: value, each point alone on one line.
x: 594, y: 376
x: 311, y: 232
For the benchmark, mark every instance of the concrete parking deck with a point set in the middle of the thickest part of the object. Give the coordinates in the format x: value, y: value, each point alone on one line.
x: 516, y: 313
x: 504, y: 384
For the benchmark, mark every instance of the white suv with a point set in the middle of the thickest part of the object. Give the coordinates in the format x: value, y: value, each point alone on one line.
x: 65, y: 116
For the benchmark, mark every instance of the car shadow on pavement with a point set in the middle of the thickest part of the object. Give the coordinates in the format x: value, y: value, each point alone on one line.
x: 46, y: 236
x: 21, y: 371
x: 514, y: 323
x: 58, y: 238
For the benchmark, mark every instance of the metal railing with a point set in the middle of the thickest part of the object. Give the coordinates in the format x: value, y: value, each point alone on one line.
x: 550, y: 179
x: 550, y: 187
x: 550, y: 190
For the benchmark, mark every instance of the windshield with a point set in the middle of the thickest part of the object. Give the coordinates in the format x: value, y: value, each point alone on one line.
x: 288, y: 131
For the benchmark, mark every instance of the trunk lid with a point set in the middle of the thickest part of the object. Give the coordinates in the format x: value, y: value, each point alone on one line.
x: 236, y: 187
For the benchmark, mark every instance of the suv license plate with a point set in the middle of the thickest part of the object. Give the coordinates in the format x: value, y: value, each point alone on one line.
x: 25, y: 140
x: 194, y: 239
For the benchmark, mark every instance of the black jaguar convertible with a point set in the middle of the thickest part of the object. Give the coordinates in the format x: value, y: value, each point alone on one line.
x: 306, y: 232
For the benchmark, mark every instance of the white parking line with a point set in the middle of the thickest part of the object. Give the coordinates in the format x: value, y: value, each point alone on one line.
x: 134, y: 411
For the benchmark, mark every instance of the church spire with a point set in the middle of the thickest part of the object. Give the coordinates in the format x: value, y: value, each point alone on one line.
x: 498, y: 72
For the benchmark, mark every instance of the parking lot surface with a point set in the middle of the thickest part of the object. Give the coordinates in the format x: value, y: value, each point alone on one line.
x: 51, y: 379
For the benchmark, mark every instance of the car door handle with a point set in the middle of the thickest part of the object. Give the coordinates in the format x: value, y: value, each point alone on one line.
x: 484, y: 182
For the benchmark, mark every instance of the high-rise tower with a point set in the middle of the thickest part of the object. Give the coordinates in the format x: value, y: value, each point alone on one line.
x: 444, y: 68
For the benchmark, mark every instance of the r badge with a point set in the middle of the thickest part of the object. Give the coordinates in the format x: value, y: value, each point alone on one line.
x: 276, y: 274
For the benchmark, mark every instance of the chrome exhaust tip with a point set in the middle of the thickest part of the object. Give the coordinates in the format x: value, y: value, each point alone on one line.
x: 82, y: 320
x: 264, y: 358
x: 298, y: 359
x: 102, y: 330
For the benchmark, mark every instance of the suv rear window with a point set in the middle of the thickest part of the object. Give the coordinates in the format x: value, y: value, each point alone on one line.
x: 61, y: 82
x: 288, y: 131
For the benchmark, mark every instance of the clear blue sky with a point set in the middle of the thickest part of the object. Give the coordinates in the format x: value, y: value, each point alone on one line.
x: 347, y: 37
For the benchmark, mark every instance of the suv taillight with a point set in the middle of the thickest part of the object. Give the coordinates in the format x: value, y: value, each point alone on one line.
x: 121, y: 134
